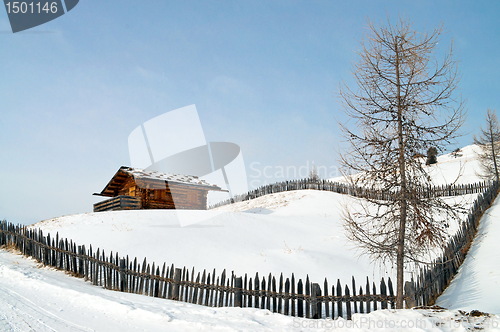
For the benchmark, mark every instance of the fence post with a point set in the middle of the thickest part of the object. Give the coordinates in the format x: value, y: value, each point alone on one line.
x: 339, y: 300
x: 315, y: 302
x: 348, y: 303
x: 123, y: 282
x: 383, y: 293
x: 238, y: 292
x: 410, y: 295
x: 300, y: 302
x: 80, y: 261
x: 177, y: 282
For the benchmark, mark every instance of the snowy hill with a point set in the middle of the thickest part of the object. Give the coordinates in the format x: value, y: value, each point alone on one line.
x: 291, y: 232
x: 459, y: 168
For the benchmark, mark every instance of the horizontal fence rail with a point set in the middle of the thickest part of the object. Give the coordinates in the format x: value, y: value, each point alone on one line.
x: 288, y: 296
x: 348, y: 189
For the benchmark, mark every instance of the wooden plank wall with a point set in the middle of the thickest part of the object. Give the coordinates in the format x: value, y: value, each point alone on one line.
x: 118, y: 203
x: 155, y: 195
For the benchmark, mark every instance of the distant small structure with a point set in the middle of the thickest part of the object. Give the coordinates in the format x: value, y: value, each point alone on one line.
x: 135, y: 189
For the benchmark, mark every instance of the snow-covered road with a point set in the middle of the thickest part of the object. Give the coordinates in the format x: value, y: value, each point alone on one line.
x: 42, y: 299
x: 33, y: 299
x: 22, y: 314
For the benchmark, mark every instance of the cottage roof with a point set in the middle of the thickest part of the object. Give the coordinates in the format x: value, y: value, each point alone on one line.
x: 140, y: 174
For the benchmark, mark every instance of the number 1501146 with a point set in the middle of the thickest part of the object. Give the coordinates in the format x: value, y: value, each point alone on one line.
x: 23, y: 7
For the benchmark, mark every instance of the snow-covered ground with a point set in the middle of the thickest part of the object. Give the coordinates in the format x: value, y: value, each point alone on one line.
x: 458, y: 168
x: 34, y: 299
x: 477, y: 285
x: 296, y: 232
x: 293, y: 232
x: 42, y: 299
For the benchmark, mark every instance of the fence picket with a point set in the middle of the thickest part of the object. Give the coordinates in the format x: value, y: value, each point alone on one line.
x: 308, y: 293
x: 367, y: 294
x: 300, y: 301
x: 361, y: 310
x: 315, y: 301
x: 339, y: 295
x: 203, y: 292
x: 293, y: 298
x: 250, y: 297
x: 263, y: 293
x: 383, y: 292
x: 238, y: 295
x: 348, y: 303
x: 256, y: 292
x: 355, y: 303
x: 326, y: 301
x: 268, y: 292
x: 221, y: 292
x: 196, y: 290
x: 286, y: 298
x: 279, y: 309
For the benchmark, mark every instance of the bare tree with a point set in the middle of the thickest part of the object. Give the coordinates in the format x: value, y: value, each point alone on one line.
x: 313, y: 173
x: 403, y: 104
x: 489, y: 141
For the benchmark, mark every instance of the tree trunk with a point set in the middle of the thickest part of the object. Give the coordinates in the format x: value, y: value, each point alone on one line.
x: 403, y: 192
x: 492, y: 140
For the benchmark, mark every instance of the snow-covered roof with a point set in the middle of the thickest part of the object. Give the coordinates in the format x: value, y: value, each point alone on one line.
x: 140, y: 174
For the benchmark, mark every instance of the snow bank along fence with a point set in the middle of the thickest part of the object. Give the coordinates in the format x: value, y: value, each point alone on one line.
x: 348, y: 189
x: 288, y: 296
x: 433, y: 279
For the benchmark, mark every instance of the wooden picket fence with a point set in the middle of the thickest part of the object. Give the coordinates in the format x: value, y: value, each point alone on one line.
x: 288, y: 296
x: 433, y: 279
x: 349, y: 189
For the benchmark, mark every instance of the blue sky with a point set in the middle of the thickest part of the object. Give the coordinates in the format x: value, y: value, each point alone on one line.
x: 263, y: 74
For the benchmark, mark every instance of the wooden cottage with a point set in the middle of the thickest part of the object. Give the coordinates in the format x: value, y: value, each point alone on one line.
x: 134, y: 189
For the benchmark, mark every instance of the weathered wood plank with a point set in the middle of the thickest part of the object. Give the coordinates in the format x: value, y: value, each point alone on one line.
x: 339, y: 302
x: 348, y: 303
x: 315, y: 301
x: 300, y: 301
x: 177, y: 281
x: 238, y: 295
